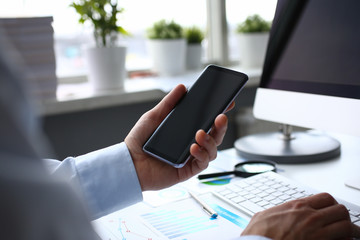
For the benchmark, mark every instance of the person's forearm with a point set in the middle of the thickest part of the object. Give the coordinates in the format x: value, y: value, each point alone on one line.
x: 107, y: 178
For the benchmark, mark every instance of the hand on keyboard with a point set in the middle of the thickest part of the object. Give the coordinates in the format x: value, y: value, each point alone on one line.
x: 315, y: 217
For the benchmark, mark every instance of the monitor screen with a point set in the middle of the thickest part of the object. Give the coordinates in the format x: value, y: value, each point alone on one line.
x: 323, y: 54
x: 311, y: 75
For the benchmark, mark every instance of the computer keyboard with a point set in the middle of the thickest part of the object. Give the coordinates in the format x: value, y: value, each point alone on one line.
x: 266, y: 190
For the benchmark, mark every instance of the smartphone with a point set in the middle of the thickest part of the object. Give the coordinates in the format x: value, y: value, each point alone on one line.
x: 210, y: 95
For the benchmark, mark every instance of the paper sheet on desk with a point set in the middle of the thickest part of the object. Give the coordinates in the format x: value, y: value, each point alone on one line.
x: 178, y: 220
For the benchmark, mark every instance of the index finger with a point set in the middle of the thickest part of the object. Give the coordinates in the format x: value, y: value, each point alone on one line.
x: 231, y: 106
x: 219, y: 129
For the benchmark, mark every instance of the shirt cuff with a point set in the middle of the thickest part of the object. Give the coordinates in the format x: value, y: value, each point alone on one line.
x: 108, y: 179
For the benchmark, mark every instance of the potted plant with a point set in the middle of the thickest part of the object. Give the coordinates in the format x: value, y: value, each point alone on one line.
x: 253, y: 35
x: 194, y: 36
x: 106, y: 61
x: 167, y: 46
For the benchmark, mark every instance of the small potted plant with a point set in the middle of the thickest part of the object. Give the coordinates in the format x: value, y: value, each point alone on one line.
x: 253, y: 35
x: 106, y: 61
x: 167, y: 46
x: 194, y: 36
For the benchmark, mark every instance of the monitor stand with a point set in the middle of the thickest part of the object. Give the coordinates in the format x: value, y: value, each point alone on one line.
x: 288, y: 147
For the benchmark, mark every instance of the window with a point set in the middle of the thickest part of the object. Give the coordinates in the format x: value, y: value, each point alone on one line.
x: 70, y: 36
x: 137, y: 17
x: 238, y: 10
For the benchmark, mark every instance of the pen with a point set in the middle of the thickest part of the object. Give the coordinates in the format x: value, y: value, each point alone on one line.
x: 205, y: 206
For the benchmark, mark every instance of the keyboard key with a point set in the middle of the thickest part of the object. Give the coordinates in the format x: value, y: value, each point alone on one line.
x: 243, y: 193
x: 270, y: 205
x: 263, y: 203
x: 276, y: 186
x: 276, y: 201
x: 263, y: 188
x: 298, y: 195
x: 252, y: 206
x: 269, y: 198
x: 263, y: 194
x: 249, y: 196
x: 231, y: 195
x: 291, y: 192
x: 258, y: 184
x: 277, y: 194
x: 250, y: 188
x: 250, y: 181
x: 283, y: 189
x: 256, y: 200
x: 270, y: 190
x: 257, y: 192
x: 238, y: 199
x: 270, y: 183
x: 284, y: 197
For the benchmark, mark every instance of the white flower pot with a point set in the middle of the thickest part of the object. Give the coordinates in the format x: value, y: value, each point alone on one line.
x: 106, y: 67
x: 252, y: 47
x: 193, y: 56
x: 168, y: 55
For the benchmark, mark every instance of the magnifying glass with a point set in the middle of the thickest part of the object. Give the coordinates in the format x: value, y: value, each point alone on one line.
x: 244, y: 169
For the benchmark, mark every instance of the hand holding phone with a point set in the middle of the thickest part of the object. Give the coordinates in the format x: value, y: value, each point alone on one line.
x: 209, y: 96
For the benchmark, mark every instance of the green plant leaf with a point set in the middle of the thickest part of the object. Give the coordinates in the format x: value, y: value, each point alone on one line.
x: 253, y: 24
x: 193, y: 35
x: 165, y: 30
x: 103, y: 14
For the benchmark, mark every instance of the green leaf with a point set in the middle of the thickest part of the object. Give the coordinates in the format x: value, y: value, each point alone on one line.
x: 193, y: 35
x: 103, y: 18
x: 253, y: 24
x: 165, y: 30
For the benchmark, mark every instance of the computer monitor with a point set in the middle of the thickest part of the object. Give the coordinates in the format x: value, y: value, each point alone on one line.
x: 311, y: 78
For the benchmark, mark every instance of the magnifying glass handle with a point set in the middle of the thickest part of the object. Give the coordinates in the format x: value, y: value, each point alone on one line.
x: 212, y: 175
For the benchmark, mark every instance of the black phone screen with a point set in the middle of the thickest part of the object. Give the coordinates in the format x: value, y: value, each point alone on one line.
x: 209, y: 96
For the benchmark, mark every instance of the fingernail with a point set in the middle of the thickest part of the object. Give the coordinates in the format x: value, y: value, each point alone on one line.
x: 207, y: 137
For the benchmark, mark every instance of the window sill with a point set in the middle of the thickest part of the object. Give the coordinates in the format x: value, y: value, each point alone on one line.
x: 79, y: 96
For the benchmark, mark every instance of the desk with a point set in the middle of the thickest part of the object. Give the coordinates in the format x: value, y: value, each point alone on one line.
x: 328, y: 176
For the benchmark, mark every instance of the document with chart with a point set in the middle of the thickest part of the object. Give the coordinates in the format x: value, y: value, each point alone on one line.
x: 182, y: 219
x: 172, y: 213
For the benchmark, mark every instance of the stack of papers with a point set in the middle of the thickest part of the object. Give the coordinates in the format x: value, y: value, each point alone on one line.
x: 33, y: 38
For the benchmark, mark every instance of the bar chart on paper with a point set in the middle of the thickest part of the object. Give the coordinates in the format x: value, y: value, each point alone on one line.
x: 179, y: 223
x: 186, y: 220
x: 180, y: 220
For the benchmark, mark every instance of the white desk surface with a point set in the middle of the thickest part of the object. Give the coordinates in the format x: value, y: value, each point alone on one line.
x: 328, y: 176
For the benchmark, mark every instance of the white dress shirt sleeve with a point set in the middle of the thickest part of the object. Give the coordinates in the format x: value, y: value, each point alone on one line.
x: 106, y: 177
